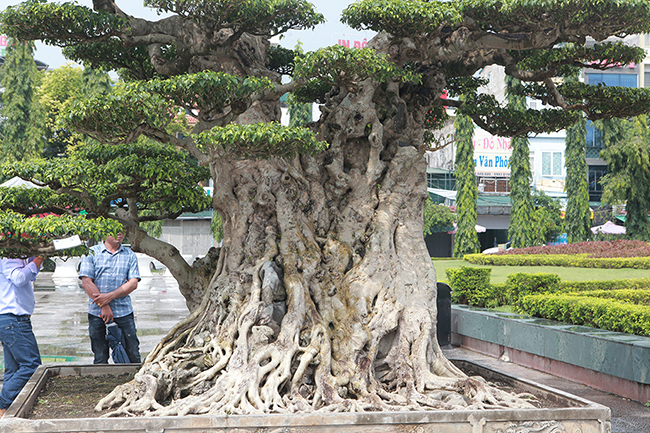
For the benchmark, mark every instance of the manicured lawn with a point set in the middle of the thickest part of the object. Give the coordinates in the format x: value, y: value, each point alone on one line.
x: 500, y: 273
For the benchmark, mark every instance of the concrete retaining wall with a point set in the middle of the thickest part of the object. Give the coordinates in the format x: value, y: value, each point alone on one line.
x: 610, y: 361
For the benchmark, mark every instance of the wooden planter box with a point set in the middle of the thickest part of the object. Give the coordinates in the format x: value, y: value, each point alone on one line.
x: 574, y: 415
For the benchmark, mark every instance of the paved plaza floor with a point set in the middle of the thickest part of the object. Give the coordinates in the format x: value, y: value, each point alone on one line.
x: 60, y: 319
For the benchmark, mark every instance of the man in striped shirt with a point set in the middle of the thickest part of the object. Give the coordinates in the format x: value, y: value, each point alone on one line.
x: 108, y: 275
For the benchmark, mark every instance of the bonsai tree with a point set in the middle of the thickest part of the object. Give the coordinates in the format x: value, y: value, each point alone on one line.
x: 324, y: 297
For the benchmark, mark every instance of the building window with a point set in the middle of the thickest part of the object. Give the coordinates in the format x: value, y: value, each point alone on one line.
x: 493, y: 185
x: 551, y: 163
x: 441, y: 181
x: 531, y: 158
x: 594, y: 136
x: 595, y: 188
x: 622, y: 80
x: 557, y: 163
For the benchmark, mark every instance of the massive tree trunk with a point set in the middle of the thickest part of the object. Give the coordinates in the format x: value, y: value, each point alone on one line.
x: 324, y: 296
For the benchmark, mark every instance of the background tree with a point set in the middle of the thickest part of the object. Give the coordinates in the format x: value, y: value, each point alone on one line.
x: 323, y: 296
x: 437, y: 218
x: 466, y: 240
x: 628, y: 177
x: 577, y: 221
x: 547, y: 218
x: 299, y: 112
x: 55, y: 93
x: 522, y: 228
x: 23, y: 117
x: 95, y: 83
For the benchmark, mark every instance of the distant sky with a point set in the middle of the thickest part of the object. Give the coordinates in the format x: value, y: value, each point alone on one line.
x: 326, y: 34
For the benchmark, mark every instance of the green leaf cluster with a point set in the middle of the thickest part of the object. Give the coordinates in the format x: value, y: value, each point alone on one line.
x: 22, y: 236
x: 601, y: 55
x: 99, y: 178
x: 260, y: 141
x: 599, y: 101
x: 568, y: 260
x: 437, y: 218
x: 607, y: 314
x: 55, y: 23
x: 121, y: 116
x: 342, y: 66
x: 259, y: 17
x: 510, y: 121
x: 205, y: 90
x: 624, y: 295
x: 469, y: 286
x: 399, y: 17
x: 148, y: 107
x: 520, y: 16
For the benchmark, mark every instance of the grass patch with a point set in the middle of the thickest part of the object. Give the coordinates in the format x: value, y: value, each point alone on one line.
x: 500, y: 273
x: 505, y: 309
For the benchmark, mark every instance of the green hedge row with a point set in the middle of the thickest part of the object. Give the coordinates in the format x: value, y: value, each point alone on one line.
x: 567, y: 260
x: 586, y: 286
x: 582, y: 310
x: 624, y: 295
x: 472, y: 286
x: 616, y: 305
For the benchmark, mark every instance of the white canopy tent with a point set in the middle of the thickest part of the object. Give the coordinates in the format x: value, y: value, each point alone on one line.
x: 609, y: 228
x: 18, y: 182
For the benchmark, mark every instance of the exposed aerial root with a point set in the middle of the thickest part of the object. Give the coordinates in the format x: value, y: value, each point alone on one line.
x: 281, y: 379
x: 268, y: 358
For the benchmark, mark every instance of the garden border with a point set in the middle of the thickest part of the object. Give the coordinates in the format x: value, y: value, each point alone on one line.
x: 609, y: 361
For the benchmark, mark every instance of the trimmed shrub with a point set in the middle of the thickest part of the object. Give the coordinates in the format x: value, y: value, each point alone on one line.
x: 583, y: 310
x: 630, y: 296
x: 588, y: 286
x: 499, y: 294
x: 470, y: 286
x: 521, y: 284
x: 578, y: 260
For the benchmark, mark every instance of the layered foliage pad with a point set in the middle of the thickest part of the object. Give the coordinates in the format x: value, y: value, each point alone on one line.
x: 148, y: 107
x: 22, y: 236
x: 536, y: 41
x: 402, y: 18
x: 260, y: 141
x: 264, y: 18
x: 81, y: 193
x: 60, y: 24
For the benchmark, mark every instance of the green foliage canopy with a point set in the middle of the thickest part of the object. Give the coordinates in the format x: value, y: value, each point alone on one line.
x: 149, y: 181
x: 437, y: 218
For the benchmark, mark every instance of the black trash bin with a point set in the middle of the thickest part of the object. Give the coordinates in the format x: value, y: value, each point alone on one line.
x: 444, y: 315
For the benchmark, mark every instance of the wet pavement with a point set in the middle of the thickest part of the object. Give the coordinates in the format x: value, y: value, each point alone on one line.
x: 60, y: 319
x: 627, y: 416
x: 60, y: 323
